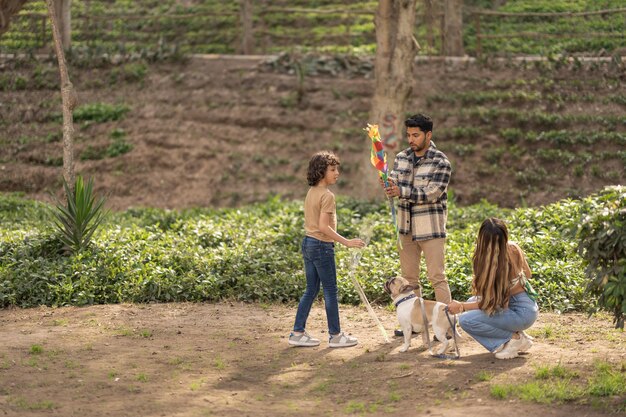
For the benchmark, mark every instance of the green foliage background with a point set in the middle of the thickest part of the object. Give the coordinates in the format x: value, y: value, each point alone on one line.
x: 253, y: 254
x: 211, y: 26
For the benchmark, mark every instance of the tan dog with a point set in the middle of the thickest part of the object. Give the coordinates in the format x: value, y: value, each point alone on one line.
x: 410, y: 313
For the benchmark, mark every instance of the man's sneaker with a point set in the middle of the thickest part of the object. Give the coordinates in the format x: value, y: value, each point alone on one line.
x: 302, y: 340
x: 511, y: 349
x: 341, y: 340
x: 527, y: 342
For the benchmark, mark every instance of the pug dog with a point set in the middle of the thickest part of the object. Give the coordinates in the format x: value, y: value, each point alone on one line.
x: 410, y: 313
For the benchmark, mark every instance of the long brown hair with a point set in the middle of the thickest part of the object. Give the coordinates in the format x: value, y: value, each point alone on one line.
x: 491, y: 266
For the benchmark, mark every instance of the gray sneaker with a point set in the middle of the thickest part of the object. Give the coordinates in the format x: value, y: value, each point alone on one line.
x: 341, y: 340
x: 303, y: 340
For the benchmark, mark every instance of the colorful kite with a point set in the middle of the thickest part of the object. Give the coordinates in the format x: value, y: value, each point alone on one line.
x: 379, y: 160
x: 379, y: 157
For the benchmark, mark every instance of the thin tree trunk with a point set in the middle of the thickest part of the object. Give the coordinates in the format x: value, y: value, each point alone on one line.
x: 64, y: 21
x: 68, y: 98
x: 247, y: 38
x: 429, y: 21
x: 395, y: 53
x: 453, y: 28
x: 8, y: 9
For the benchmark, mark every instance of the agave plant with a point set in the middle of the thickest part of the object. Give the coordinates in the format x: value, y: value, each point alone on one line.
x: 79, y: 219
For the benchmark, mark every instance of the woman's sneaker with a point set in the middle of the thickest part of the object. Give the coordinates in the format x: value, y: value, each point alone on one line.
x: 341, y: 340
x: 302, y: 340
x: 511, y: 349
x: 527, y: 342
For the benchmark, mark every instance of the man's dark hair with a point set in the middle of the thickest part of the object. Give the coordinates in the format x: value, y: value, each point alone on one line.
x: 318, y: 165
x: 422, y: 121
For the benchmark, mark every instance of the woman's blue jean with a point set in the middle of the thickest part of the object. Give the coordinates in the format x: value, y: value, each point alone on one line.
x: 494, y: 331
x: 319, y: 267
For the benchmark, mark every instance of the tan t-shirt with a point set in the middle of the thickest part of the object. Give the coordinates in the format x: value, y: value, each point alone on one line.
x: 319, y: 200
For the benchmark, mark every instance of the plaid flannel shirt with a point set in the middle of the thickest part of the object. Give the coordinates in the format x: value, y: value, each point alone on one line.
x: 423, y: 201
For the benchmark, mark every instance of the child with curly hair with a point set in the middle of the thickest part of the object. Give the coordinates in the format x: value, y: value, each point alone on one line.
x: 318, y: 251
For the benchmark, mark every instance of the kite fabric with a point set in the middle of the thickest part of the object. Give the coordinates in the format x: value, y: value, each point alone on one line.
x: 378, y: 155
x: 379, y: 160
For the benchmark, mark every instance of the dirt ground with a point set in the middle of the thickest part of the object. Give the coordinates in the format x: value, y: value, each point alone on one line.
x: 232, y: 359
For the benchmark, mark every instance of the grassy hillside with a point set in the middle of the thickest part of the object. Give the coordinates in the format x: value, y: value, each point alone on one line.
x: 323, y: 26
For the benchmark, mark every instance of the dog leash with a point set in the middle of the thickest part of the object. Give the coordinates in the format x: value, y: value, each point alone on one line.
x: 425, y: 335
x: 456, y: 345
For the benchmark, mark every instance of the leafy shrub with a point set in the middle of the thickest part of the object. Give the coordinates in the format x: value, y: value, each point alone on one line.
x: 130, y: 72
x: 80, y: 217
x: 253, y: 254
x: 92, y: 153
x: 119, y: 146
x: 100, y: 112
x: 602, y: 244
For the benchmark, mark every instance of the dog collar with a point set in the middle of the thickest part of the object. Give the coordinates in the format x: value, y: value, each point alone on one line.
x: 408, y: 297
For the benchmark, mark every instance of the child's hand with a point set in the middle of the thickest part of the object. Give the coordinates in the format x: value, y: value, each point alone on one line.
x: 355, y: 243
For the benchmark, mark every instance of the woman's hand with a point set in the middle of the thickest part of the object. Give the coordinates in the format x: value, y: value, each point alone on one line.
x: 455, y: 307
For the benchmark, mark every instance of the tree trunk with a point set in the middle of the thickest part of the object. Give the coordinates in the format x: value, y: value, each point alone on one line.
x: 453, y: 28
x: 247, y: 38
x: 395, y: 52
x: 62, y: 10
x: 8, y: 9
x: 68, y: 98
x: 429, y: 21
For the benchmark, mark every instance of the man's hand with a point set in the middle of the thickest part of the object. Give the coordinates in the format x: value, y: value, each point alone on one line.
x: 391, y: 190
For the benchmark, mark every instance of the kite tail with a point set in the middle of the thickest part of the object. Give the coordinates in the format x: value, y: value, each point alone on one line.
x: 392, y: 206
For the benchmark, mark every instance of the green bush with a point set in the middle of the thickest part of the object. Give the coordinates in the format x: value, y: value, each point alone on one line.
x: 253, y: 254
x: 119, y: 146
x: 100, y: 112
x: 79, y: 218
x: 602, y: 244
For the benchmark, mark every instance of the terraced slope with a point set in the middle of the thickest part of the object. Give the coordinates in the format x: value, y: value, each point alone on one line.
x: 228, y: 132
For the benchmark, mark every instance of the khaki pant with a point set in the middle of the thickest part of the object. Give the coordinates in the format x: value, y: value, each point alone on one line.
x: 410, y: 257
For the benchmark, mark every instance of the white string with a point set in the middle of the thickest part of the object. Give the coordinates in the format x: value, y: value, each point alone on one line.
x: 366, y: 233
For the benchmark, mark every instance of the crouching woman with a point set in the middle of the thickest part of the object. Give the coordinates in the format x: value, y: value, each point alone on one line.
x: 504, y: 303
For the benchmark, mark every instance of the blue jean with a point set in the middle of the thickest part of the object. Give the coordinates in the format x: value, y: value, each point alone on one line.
x: 319, y: 267
x: 494, y: 331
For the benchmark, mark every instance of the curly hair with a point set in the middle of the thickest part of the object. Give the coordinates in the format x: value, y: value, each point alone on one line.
x: 318, y: 165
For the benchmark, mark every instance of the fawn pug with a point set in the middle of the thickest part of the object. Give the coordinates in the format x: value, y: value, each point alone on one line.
x: 410, y: 313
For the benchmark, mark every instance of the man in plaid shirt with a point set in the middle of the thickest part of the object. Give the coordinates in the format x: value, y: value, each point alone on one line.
x: 419, y: 179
